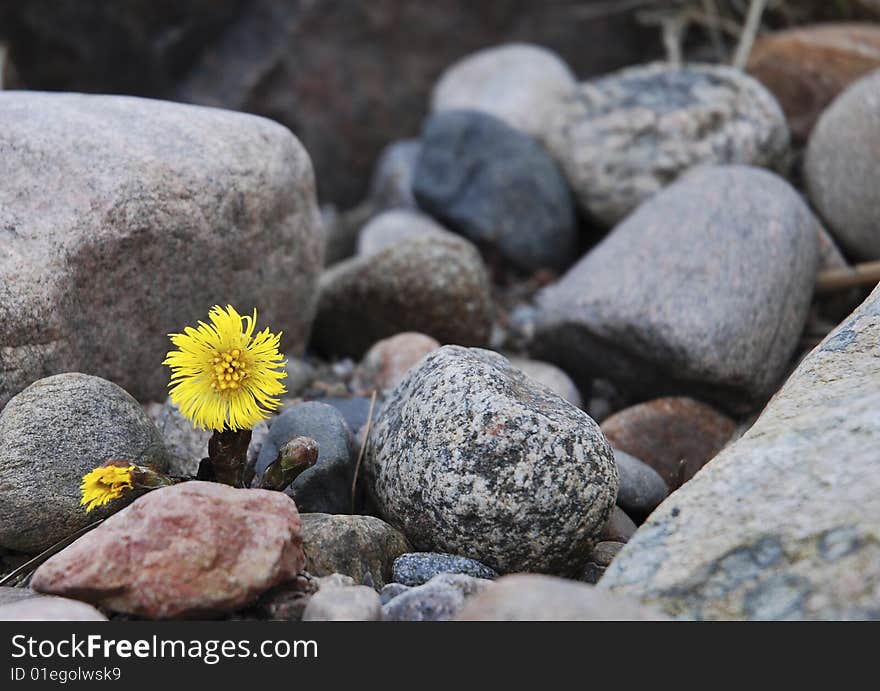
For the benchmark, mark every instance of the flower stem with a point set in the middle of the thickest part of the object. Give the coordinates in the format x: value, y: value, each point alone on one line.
x: 227, y: 458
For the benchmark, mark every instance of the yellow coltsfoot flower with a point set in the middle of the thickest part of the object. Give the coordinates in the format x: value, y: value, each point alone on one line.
x: 104, y: 484
x: 114, y: 478
x: 222, y: 375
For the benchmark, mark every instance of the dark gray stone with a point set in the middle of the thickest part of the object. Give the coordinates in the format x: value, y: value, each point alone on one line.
x: 417, y: 568
x: 469, y: 456
x: 641, y: 488
x: 434, y: 285
x: 841, y: 167
x: 498, y: 187
x: 326, y: 486
x: 354, y: 410
x: 439, y: 599
x: 54, y: 432
x: 782, y: 524
x: 626, y: 136
x: 702, y: 291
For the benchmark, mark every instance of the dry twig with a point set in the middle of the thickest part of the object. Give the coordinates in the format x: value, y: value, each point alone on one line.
x: 856, y: 276
x: 20, y: 575
x: 749, y: 33
x: 357, y: 467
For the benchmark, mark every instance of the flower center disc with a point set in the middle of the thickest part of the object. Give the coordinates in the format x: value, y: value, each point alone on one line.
x: 228, y: 370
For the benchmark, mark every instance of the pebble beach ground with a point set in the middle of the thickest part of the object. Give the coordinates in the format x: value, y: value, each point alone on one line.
x: 566, y: 359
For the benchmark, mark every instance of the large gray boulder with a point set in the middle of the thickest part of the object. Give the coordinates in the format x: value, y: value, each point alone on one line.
x: 469, y: 456
x: 784, y: 523
x: 702, y: 291
x: 53, y: 433
x: 125, y: 219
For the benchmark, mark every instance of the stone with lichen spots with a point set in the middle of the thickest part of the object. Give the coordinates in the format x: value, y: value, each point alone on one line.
x: 196, y: 549
x: 53, y: 433
x: 784, y: 523
x: 468, y: 456
x: 624, y: 137
x: 156, y: 211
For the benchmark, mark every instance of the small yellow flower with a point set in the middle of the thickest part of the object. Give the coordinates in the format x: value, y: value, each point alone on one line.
x: 102, y: 485
x: 224, y: 376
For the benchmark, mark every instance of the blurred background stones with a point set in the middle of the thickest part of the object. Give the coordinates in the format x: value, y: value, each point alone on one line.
x: 346, y: 77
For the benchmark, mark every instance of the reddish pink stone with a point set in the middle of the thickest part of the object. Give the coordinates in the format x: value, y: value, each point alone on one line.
x: 390, y: 359
x: 192, y: 550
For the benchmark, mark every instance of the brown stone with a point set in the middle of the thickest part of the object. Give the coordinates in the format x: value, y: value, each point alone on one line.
x: 435, y: 285
x: 675, y: 436
x: 191, y: 550
x: 807, y: 67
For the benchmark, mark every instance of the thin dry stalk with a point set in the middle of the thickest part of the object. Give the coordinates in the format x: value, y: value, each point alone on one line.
x: 749, y: 33
x: 357, y: 467
x: 856, y: 276
x: 20, y: 575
